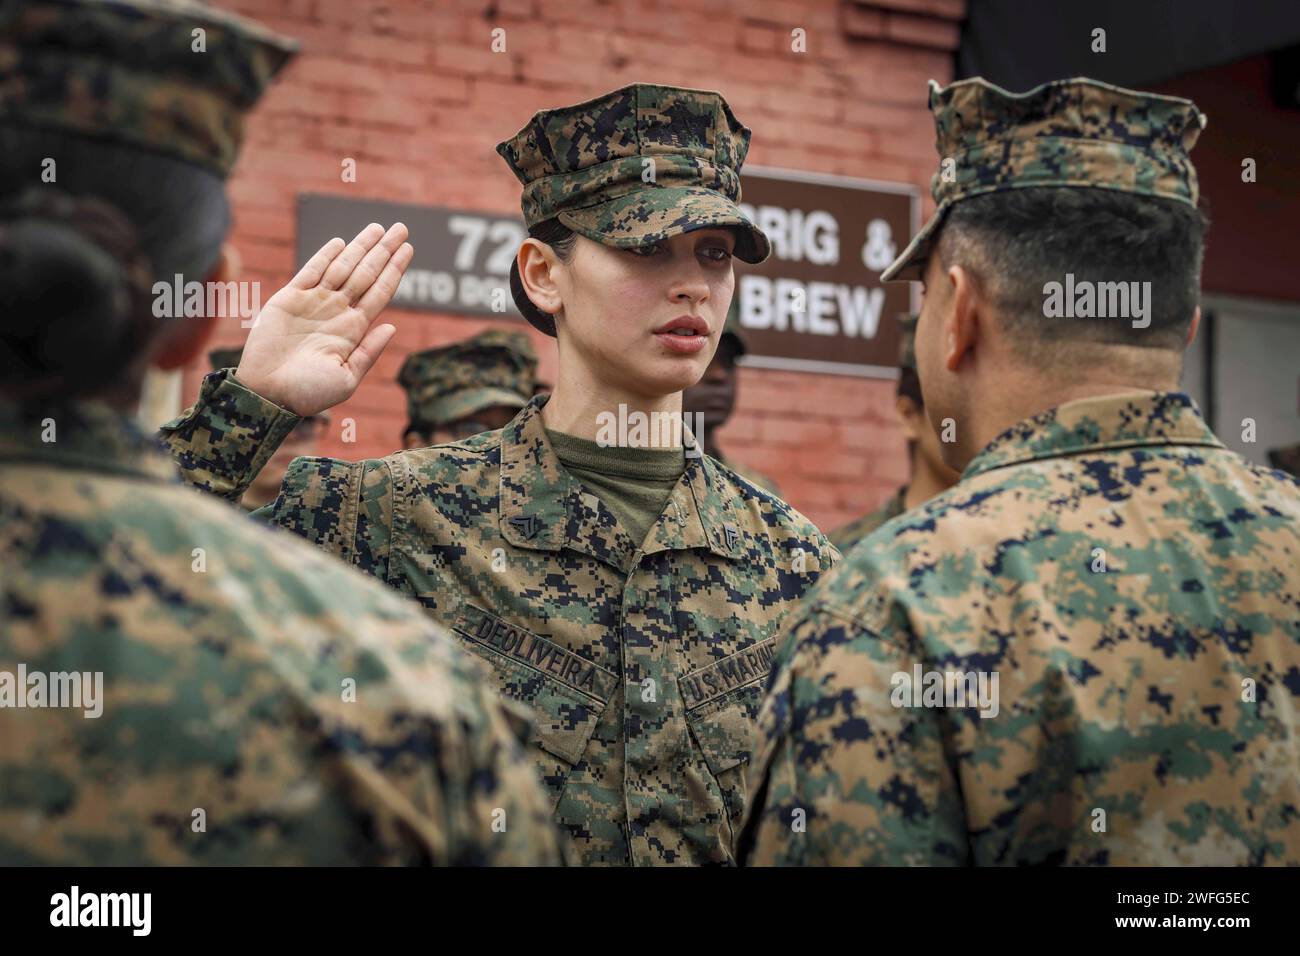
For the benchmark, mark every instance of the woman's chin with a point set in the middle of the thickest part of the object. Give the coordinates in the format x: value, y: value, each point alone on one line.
x: 677, y: 373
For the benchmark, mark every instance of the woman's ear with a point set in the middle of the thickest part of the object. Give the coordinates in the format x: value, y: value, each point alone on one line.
x: 183, y: 338
x: 537, y: 267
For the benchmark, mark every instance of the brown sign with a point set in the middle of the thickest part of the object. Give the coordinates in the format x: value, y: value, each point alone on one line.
x: 817, y: 304
x: 462, y: 258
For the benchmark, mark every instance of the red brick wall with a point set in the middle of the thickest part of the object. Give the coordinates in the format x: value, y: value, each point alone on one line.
x: 411, y: 91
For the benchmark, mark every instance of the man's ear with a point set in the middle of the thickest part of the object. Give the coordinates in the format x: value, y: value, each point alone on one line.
x: 910, y: 417
x: 183, y: 338
x: 961, y: 332
x: 537, y: 263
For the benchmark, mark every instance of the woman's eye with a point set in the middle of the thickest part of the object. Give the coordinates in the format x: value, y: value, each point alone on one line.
x: 644, y: 251
x: 717, y: 253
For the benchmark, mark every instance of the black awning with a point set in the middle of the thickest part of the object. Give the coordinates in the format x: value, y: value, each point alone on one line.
x: 1019, y: 44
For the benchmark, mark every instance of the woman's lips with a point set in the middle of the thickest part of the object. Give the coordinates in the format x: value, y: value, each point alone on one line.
x: 682, y: 344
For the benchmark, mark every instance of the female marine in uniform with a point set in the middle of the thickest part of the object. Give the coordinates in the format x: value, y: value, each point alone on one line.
x: 625, y: 590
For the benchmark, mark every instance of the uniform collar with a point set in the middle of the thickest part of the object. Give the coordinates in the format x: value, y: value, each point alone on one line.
x: 1123, y: 420
x: 82, y: 435
x: 544, y: 508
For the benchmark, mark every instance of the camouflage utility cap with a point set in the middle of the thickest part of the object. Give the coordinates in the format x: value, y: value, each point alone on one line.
x: 496, y: 367
x: 635, y: 166
x: 1076, y: 132
x: 135, y: 72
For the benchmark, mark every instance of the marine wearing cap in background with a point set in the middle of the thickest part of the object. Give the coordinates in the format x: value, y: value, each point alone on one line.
x: 1085, y: 651
x: 468, y: 387
x: 225, y: 643
x: 714, y: 396
x: 928, y: 475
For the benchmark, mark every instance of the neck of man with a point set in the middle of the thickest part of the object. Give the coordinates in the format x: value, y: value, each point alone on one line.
x: 580, y: 405
x: 1014, y: 394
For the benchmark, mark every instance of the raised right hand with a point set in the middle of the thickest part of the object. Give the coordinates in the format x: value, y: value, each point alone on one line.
x: 313, y: 341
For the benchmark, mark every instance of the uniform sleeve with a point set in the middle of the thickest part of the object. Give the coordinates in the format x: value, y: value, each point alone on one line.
x: 841, y: 776
x: 221, y: 442
x: 225, y: 439
x: 343, y: 507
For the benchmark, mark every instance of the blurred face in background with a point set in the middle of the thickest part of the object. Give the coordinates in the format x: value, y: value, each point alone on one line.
x: 714, y: 395
x: 923, y: 440
x: 484, y: 420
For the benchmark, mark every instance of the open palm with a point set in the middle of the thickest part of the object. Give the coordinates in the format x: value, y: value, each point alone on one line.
x: 315, y: 339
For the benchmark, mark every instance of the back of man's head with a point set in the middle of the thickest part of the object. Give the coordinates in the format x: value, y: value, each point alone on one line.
x: 1063, y: 259
x: 1060, y: 268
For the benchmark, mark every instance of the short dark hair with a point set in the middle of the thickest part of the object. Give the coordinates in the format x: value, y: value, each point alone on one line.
x: 909, y: 385
x: 1018, y: 240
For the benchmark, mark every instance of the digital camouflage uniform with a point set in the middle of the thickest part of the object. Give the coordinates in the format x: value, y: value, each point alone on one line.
x: 447, y: 384
x: 228, y: 357
x: 262, y: 703
x: 731, y: 331
x: 642, y: 665
x: 1134, y: 585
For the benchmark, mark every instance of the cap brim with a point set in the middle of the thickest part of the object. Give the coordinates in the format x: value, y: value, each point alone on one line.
x: 910, y: 266
x: 658, y: 213
x: 464, y: 404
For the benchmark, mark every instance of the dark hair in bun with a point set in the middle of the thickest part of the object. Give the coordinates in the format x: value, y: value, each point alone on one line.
x: 74, y: 293
x: 79, y: 255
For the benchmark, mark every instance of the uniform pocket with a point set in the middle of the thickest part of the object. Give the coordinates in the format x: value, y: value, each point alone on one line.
x: 722, y: 703
x: 565, y: 692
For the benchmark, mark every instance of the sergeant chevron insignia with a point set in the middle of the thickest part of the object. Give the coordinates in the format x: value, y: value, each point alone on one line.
x: 528, y: 525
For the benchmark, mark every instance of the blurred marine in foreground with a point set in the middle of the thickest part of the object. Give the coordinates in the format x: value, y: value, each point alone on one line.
x: 177, y: 684
x: 1088, y: 650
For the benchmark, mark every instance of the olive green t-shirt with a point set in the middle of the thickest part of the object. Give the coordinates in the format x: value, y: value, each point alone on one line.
x: 634, y: 483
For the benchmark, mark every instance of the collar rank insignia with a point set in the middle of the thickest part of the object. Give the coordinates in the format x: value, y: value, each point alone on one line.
x: 528, y: 525
x: 733, y: 535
